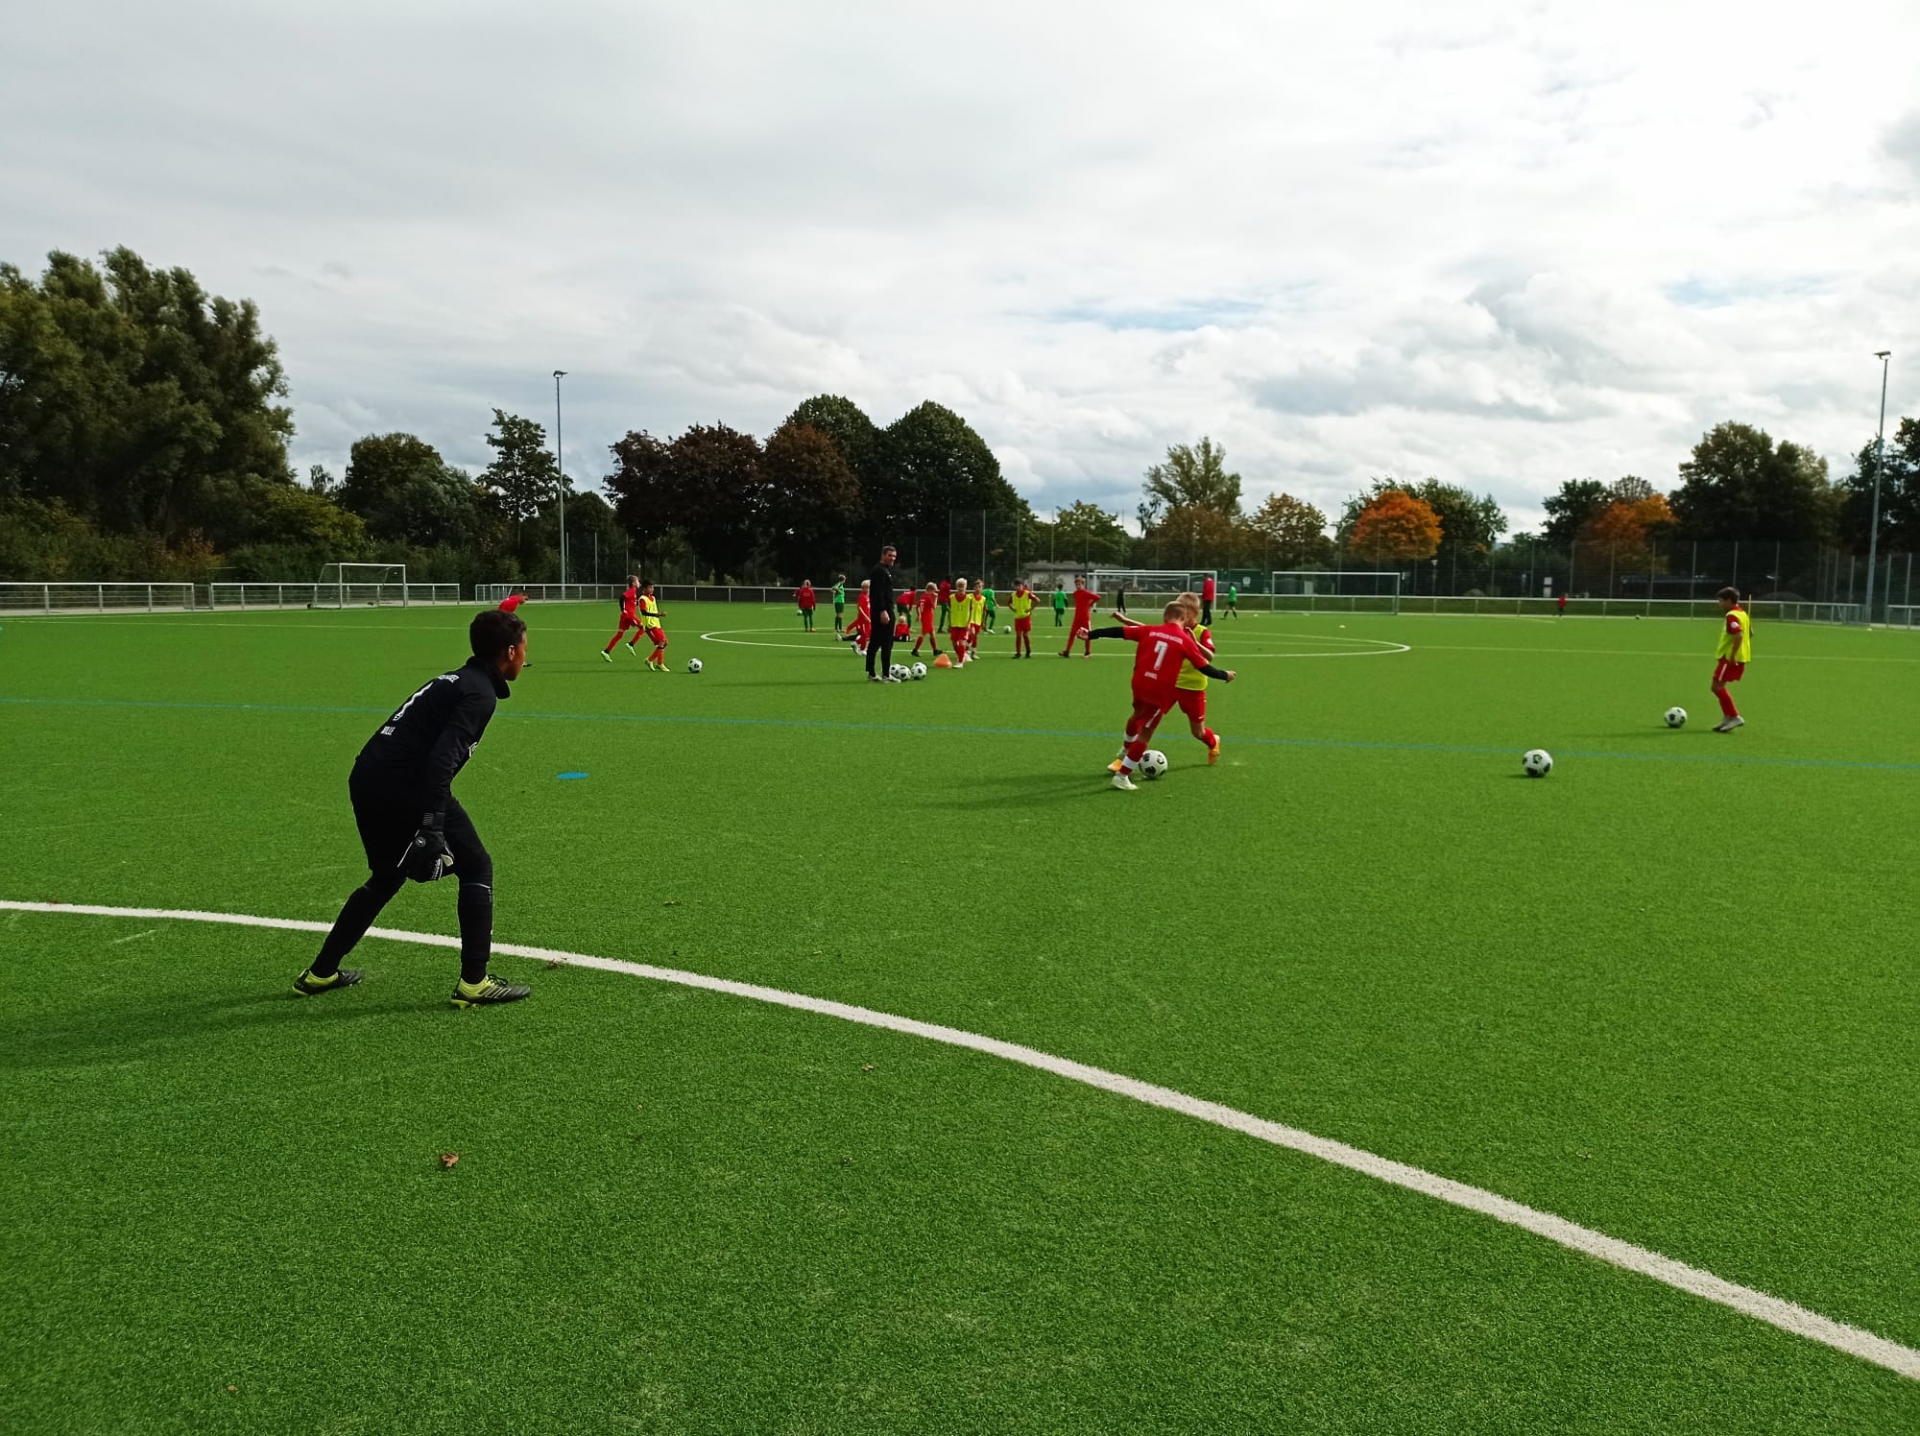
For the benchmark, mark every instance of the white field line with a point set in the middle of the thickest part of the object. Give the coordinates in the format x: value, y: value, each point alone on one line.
x: 1704, y: 1284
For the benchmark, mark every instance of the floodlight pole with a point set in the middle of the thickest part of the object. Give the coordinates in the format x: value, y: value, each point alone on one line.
x: 560, y: 463
x: 1879, y: 468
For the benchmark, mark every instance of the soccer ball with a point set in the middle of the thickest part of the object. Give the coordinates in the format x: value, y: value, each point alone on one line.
x: 1676, y: 717
x: 1153, y: 764
x: 1006, y: 628
x: 899, y: 672
x: 693, y: 665
x: 919, y: 670
x: 1538, y: 762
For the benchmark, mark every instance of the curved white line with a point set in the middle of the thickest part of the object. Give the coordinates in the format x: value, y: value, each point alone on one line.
x: 1382, y: 649
x: 1704, y: 1284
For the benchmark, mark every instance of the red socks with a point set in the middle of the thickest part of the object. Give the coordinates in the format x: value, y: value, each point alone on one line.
x: 1727, y: 710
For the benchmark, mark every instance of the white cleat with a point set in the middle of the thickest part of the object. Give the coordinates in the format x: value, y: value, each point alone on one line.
x: 1123, y: 782
x: 1727, y: 725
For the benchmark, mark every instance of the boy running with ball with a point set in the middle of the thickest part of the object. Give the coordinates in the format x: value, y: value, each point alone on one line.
x: 1162, y: 650
x: 1732, y: 655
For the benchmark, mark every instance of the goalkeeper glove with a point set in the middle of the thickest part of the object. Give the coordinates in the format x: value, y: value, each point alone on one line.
x: 428, y: 857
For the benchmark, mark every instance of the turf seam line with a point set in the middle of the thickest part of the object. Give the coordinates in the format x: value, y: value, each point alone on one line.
x: 1105, y: 734
x: 1773, y: 1310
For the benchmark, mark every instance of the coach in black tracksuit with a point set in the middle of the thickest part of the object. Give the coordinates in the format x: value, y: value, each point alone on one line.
x: 880, y: 604
x: 410, y: 823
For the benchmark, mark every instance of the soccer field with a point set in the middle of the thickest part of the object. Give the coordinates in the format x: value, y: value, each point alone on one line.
x: 1666, y: 994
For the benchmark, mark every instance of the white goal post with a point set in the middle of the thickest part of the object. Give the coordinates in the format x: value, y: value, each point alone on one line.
x: 345, y: 585
x: 1153, y: 586
x: 1334, y: 591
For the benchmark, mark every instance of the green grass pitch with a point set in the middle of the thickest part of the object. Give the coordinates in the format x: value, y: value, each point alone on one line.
x: 1666, y: 993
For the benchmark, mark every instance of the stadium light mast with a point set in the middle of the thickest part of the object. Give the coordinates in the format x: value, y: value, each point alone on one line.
x: 1879, y: 468
x: 560, y: 463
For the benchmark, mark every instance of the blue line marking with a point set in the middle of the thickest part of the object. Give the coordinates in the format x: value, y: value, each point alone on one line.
x: 834, y: 725
x: 564, y: 776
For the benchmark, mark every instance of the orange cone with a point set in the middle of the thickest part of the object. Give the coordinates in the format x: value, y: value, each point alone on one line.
x: 942, y: 662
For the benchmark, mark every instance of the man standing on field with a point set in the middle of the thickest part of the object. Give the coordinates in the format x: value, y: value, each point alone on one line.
x: 411, y: 825
x: 1732, y: 655
x: 880, y: 597
x: 1206, y: 601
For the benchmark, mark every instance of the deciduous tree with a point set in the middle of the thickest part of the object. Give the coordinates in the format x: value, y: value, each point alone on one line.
x: 1194, y: 476
x: 1738, y: 484
x: 136, y: 399
x: 523, y: 476
x: 1290, y: 531
x: 1396, y: 527
x: 1568, y: 510
x: 812, y: 499
x: 1899, y: 492
x: 719, y: 496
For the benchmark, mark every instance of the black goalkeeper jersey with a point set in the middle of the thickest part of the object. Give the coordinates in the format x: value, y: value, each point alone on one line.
x: 417, y: 752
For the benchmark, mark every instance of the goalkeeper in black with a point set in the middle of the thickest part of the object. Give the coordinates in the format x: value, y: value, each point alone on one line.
x: 411, y: 824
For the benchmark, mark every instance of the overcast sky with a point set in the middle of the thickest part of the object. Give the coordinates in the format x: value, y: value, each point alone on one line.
x: 1504, y: 245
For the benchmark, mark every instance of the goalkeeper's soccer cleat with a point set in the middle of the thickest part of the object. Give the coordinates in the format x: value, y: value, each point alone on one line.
x: 1123, y: 782
x: 307, y: 985
x: 487, y: 992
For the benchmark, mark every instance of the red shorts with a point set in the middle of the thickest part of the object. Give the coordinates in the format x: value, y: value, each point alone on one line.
x: 1192, y: 702
x: 1147, y: 713
x: 927, y: 628
x: 1023, y: 625
x: 658, y: 637
x: 1727, y: 671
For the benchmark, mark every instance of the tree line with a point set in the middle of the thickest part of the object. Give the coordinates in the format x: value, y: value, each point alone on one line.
x: 144, y: 434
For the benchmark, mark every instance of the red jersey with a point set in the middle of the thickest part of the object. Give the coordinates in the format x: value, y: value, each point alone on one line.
x: 946, y: 591
x: 627, y: 601
x: 1083, y: 601
x: 511, y: 602
x: 804, y: 595
x: 865, y: 604
x: 1206, y: 589
x: 1165, y: 649
x: 926, y: 608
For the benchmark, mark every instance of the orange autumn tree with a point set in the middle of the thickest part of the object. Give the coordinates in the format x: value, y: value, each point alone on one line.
x: 1629, y: 530
x: 1395, y: 527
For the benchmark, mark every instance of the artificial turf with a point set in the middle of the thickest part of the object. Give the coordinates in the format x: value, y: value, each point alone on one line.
x: 1664, y: 993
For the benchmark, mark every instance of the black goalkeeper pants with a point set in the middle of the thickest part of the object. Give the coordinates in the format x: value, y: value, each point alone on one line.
x: 387, y: 820
x: 880, y: 646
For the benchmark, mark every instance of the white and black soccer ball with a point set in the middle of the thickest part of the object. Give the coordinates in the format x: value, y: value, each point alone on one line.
x: 1006, y: 628
x: 899, y: 672
x: 1153, y: 764
x: 1537, y: 762
x: 1676, y: 717
x: 693, y: 665
x: 919, y: 670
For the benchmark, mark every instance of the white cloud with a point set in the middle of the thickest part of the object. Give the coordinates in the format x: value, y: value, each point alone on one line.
x: 1520, y: 244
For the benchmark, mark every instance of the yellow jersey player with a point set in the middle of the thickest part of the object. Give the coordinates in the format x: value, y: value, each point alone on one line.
x: 1732, y: 655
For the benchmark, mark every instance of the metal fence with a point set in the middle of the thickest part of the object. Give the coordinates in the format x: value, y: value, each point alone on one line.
x: 329, y: 595
x: 96, y: 597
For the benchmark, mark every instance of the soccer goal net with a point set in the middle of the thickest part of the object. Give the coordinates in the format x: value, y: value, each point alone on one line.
x: 1147, y: 587
x: 1334, y: 591
x: 349, y: 585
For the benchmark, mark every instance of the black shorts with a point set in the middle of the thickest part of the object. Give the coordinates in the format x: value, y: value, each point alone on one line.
x: 388, y: 817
